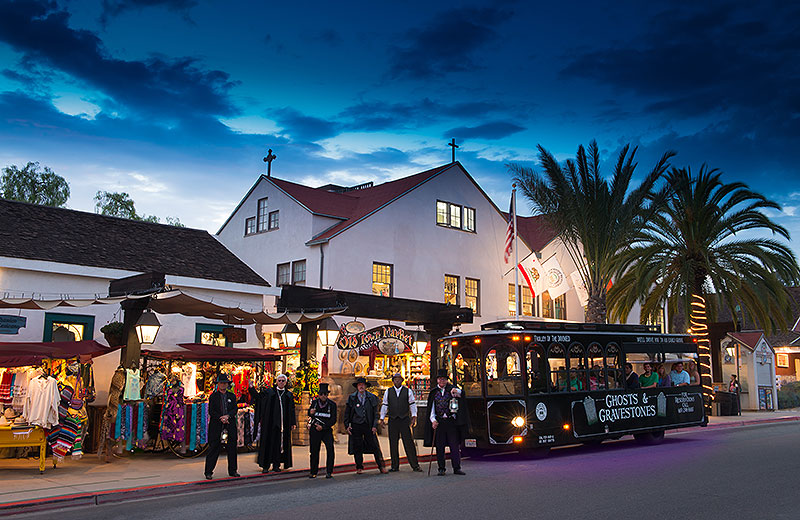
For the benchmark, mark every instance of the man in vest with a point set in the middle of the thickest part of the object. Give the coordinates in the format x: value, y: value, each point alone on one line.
x: 322, y: 417
x: 399, y: 404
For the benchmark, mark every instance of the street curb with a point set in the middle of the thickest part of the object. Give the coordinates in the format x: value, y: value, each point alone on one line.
x: 733, y: 424
x: 119, y: 495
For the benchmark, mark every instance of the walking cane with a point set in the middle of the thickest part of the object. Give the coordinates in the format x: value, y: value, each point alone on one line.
x: 430, y: 457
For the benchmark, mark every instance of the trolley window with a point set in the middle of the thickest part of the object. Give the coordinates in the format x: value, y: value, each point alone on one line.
x: 468, y: 371
x: 613, y: 366
x: 537, y: 369
x: 577, y: 381
x: 503, y: 371
x: 557, y: 366
x: 594, y: 360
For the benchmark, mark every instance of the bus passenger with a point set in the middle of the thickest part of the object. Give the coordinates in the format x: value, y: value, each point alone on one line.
x: 631, y: 377
x: 596, y: 378
x: 679, y: 376
x: 694, y: 375
x: 648, y: 379
x: 663, y: 377
x: 575, y: 384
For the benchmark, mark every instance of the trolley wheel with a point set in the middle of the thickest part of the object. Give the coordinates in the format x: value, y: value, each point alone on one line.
x: 535, y: 453
x: 649, y: 438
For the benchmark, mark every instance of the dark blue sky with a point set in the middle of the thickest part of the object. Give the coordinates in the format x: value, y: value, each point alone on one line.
x: 177, y: 101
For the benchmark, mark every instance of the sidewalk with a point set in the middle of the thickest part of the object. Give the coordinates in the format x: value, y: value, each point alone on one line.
x: 91, y: 481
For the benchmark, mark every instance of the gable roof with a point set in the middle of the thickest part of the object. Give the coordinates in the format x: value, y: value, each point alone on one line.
x: 535, y: 231
x: 749, y: 339
x: 74, y: 237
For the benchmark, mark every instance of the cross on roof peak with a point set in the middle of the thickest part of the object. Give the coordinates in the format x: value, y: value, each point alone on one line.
x: 268, y: 159
x: 453, y: 144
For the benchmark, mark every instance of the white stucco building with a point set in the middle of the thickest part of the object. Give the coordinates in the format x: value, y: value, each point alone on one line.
x: 755, y: 358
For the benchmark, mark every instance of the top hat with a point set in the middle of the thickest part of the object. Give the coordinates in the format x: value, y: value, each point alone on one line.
x: 362, y: 380
x: 223, y: 378
x: 442, y: 372
x: 323, y: 389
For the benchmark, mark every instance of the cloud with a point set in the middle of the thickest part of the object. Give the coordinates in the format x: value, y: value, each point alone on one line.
x: 172, y: 91
x: 493, y: 130
x: 373, y: 116
x: 115, y: 7
x: 447, y: 44
x: 301, y: 127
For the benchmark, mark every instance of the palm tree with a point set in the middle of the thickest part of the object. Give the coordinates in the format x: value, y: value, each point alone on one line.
x: 593, y: 217
x: 705, y: 242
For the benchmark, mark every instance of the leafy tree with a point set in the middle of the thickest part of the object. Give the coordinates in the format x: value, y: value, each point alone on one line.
x: 696, y: 247
x: 594, y: 218
x: 120, y: 204
x: 30, y: 184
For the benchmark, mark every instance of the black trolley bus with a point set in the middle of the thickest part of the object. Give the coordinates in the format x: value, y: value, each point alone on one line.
x: 532, y: 385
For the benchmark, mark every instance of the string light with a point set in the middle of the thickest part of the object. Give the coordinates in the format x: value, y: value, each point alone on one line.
x: 699, y: 330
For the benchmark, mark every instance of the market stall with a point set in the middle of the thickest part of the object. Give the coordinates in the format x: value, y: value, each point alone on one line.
x: 44, y: 389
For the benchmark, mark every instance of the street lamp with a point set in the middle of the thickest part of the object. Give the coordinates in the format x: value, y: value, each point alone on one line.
x: 328, y: 332
x: 147, y: 327
x: 731, y: 350
x: 290, y: 334
x: 421, y: 340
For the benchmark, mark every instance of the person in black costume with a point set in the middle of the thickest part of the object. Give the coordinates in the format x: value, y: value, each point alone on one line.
x: 322, y: 417
x: 450, y: 426
x: 361, y: 420
x: 275, y: 419
x: 222, y: 417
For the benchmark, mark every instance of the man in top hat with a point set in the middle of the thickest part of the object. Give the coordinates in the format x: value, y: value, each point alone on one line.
x: 221, y: 417
x: 446, y: 427
x: 399, y: 404
x: 361, y: 420
x: 322, y: 417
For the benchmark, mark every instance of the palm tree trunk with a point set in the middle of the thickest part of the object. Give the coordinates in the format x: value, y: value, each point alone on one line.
x: 595, y: 309
x: 699, y: 321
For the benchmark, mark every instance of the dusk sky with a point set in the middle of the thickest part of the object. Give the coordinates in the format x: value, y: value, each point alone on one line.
x: 177, y: 101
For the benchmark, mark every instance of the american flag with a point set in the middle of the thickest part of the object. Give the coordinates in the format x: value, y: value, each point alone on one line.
x: 510, y: 232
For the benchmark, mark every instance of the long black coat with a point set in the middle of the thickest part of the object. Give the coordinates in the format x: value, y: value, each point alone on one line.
x: 372, y: 407
x: 462, y: 417
x: 267, y: 419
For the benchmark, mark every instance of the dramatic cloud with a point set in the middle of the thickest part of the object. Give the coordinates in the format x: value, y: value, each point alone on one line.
x: 115, y: 7
x: 301, y: 127
x: 171, y: 90
x: 447, y: 44
x: 376, y: 115
x: 493, y: 130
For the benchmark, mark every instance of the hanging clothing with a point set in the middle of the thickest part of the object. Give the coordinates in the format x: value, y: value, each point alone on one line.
x: 189, y: 380
x: 155, y: 384
x: 5, y: 387
x: 132, y: 386
x: 20, y: 389
x: 41, y: 402
x: 173, y: 415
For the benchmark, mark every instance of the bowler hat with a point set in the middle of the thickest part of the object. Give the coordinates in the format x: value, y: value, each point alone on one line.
x: 223, y: 378
x: 323, y: 389
x: 362, y: 380
x: 442, y: 372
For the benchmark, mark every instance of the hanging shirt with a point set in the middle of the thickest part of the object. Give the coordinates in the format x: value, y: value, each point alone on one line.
x: 189, y: 380
x: 41, y: 402
x: 132, y: 387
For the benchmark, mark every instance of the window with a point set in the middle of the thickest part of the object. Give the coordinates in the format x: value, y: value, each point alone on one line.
x: 299, y: 272
x: 614, y: 376
x: 557, y: 365
x: 381, y: 279
x: 468, y: 371
x: 261, y: 216
x: 512, y: 300
x: 577, y: 369
x: 207, y: 334
x: 537, y: 380
x: 76, y: 326
x: 472, y: 293
x: 284, y: 275
x: 455, y: 216
x: 442, y: 215
x: 451, y: 289
x: 469, y: 219
x: 554, y: 308
x: 250, y: 226
x: 594, y: 360
x: 273, y: 220
x: 503, y: 372
x: 527, y: 301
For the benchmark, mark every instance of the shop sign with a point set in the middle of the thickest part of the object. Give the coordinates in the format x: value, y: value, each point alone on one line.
x: 11, y: 324
x: 235, y: 334
x: 389, y: 339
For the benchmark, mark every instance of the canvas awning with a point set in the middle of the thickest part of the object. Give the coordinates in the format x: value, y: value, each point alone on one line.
x: 20, y: 353
x: 199, y: 352
x: 175, y: 302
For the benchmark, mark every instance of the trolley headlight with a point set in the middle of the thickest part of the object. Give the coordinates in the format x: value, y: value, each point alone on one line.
x: 518, y: 421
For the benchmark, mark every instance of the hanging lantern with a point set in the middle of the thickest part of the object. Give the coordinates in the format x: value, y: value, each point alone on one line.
x: 421, y: 340
x: 290, y: 334
x: 147, y: 327
x: 328, y: 332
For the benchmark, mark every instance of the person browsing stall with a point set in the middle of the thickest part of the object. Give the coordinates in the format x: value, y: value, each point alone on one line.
x: 446, y: 427
x: 361, y: 421
x: 222, y: 417
x: 400, y: 406
x: 322, y: 417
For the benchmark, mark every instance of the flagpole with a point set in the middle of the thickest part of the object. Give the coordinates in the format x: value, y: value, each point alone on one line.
x: 516, y: 253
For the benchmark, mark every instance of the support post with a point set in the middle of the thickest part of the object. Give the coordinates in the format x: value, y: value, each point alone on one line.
x: 437, y: 331
x: 130, y: 354
x: 308, y: 340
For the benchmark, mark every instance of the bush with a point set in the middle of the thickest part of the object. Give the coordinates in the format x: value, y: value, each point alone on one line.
x: 789, y: 396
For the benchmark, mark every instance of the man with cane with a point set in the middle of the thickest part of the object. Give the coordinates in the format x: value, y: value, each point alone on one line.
x: 447, y: 422
x: 222, y: 417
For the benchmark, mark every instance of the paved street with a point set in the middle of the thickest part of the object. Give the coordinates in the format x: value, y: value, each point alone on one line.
x: 741, y: 473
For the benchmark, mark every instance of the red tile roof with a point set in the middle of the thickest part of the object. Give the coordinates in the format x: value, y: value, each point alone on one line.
x: 748, y: 339
x: 534, y: 231
x: 352, y: 206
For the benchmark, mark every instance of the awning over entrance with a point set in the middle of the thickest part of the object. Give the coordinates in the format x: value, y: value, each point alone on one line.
x: 176, y: 302
x: 199, y: 352
x: 18, y: 353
